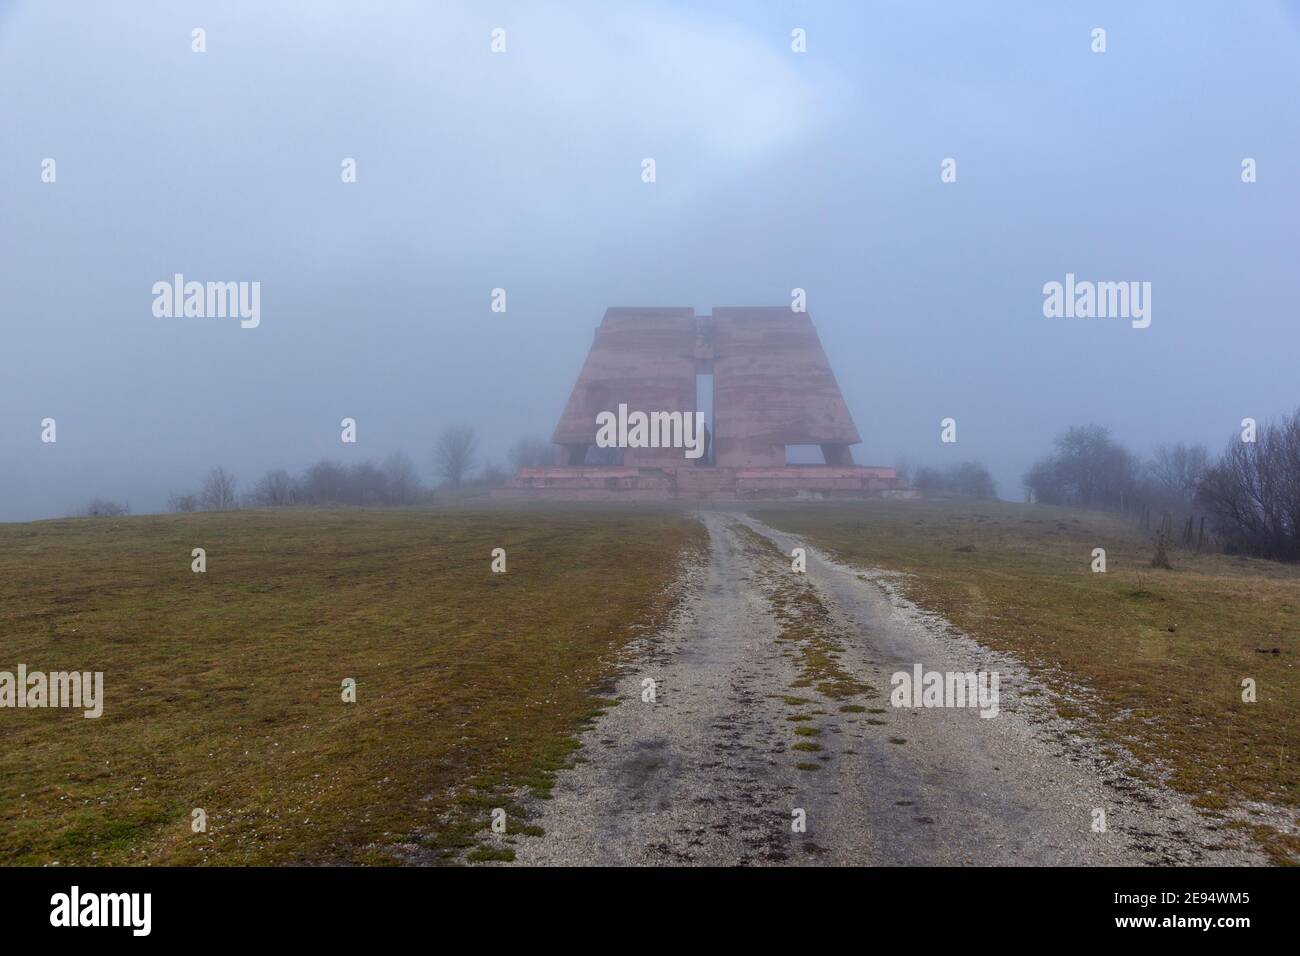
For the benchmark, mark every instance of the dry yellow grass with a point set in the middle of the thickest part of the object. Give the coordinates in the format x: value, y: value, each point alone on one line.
x: 223, y: 689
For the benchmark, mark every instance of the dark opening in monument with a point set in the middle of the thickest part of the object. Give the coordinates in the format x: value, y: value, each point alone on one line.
x: 603, y: 456
x: 704, y: 403
x: 804, y: 455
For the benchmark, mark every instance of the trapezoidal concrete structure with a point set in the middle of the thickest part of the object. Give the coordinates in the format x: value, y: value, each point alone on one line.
x: 769, y: 384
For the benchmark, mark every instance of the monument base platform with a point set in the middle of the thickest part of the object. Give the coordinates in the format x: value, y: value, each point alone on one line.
x: 688, y: 482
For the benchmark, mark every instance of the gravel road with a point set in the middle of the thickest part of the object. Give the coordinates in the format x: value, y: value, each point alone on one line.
x: 716, y: 769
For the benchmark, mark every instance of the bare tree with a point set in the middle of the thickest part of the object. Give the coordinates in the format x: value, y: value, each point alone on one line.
x: 453, y: 455
x: 1177, y: 470
x: 275, y: 489
x: 218, y: 492
x: 403, y: 482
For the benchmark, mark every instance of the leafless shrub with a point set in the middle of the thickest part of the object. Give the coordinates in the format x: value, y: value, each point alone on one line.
x: 325, y: 482
x: 969, y: 479
x: 185, y: 504
x: 1253, y: 492
x: 367, y: 485
x: 102, y: 508
x: 1161, y: 558
x: 403, y: 483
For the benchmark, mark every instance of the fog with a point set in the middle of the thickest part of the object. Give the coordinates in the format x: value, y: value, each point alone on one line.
x: 522, y: 170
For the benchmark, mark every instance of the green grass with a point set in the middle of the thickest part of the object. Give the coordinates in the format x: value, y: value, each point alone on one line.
x: 491, y: 855
x: 223, y: 689
x: 804, y: 621
x: 811, y: 640
x: 1164, y: 651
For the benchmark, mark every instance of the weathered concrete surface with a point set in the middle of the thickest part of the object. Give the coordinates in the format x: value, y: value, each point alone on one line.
x: 642, y: 357
x: 773, y: 386
x: 707, y: 773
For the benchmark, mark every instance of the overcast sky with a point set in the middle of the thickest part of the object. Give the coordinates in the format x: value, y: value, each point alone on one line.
x: 522, y: 170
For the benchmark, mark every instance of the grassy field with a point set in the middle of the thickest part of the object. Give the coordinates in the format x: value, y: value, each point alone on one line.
x: 223, y: 688
x: 1164, y: 650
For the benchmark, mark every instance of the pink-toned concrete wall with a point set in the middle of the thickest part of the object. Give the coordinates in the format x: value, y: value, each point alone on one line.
x: 773, y: 385
x: 604, y: 483
x: 644, y: 358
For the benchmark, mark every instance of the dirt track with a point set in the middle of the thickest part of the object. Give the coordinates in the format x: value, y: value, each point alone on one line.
x: 709, y: 774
